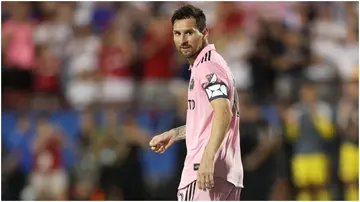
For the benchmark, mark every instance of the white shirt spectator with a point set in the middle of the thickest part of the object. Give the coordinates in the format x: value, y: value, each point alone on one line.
x: 82, y: 55
x: 235, y: 53
x: 55, y: 34
x: 346, y: 59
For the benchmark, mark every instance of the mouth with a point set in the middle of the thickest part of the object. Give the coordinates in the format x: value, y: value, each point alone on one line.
x: 185, y: 48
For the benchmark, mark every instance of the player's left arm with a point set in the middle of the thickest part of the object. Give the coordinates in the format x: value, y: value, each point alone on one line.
x: 216, y: 85
x: 221, y: 121
x: 219, y: 128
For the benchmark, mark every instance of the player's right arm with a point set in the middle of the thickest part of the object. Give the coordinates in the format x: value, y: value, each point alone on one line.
x: 160, y: 143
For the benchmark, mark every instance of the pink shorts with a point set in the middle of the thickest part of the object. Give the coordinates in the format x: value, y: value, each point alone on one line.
x: 222, y: 191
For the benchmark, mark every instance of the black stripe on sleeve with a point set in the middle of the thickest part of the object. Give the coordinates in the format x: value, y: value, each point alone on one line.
x: 193, y: 190
x: 206, y: 57
x: 190, y: 191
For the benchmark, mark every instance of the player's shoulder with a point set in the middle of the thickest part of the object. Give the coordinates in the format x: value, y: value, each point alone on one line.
x: 212, y: 59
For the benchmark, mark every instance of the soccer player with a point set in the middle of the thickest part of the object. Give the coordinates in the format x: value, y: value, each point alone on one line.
x: 213, y: 168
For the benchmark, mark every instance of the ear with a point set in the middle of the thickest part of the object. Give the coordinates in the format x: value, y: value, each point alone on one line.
x: 206, y: 33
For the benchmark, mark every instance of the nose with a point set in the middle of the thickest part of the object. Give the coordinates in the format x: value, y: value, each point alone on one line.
x: 184, y: 39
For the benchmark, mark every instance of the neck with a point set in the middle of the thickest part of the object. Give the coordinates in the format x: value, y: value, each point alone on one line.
x: 192, y: 59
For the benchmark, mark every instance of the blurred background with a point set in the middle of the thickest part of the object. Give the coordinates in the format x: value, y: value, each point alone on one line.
x: 85, y: 85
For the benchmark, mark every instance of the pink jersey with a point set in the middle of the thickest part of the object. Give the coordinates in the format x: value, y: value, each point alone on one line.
x: 211, y: 78
x: 21, y: 49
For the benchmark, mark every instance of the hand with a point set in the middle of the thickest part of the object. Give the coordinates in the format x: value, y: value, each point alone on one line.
x: 160, y: 143
x: 205, y: 178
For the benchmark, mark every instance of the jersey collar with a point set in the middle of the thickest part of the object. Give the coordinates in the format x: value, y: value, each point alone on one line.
x: 202, y: 53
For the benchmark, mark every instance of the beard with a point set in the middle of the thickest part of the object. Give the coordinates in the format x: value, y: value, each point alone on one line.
x: 191, y: 53
x: 188, y: 55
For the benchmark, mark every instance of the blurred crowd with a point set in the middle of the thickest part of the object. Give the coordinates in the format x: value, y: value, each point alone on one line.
x: 78, y: 78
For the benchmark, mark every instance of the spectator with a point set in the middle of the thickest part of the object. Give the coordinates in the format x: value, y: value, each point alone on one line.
x: 345, y: 56
x: 262, y: 71
x: 84, y: 185
x: 18, y: 55
x: 237, y: 60
x: 46, y: 9
x: 309, y: 128
x: 259, y: 145
x: 17, y: 163
x: 325, y: 27
x: 56, y: 30
x: 17, y: 41
x: 47, y: 80
x: 326, y: 77
x: 84, y: 11
x: 132, y: 169
x: 115, y: 63
x: 284, y: 186
x: 82, y: 88
x: 326, y: 33
x: 296, y: 18
x: 117, y: 152
x: 291, y: 63
x: 87, y: 128
x: 48, y: 177
x: 101, y: 16
x: 348, y: 123
x: 157, y: 53
x: 255, y: 11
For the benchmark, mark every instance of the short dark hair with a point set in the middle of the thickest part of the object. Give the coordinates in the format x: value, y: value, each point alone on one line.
x: 190, y: 11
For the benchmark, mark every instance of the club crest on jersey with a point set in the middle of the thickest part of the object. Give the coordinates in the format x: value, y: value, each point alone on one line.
x: 211, y: 78
x: 192, y: 83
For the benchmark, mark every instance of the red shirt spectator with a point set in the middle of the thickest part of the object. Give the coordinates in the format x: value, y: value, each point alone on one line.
x: 49, y: 158
x: 113, y: 61
x: 157, y: 48
x: 48, y: 145
x: 115, y: 56
x: 49, y: 176
x: 47, y: 72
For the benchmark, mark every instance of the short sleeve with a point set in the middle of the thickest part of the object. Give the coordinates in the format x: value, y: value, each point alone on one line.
x: 214, y: 81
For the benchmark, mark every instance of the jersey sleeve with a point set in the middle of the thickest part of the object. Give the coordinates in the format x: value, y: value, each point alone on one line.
x: 214, y: 81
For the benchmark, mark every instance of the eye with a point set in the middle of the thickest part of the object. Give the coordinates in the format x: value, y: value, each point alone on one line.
x: 189, y: 33
x: 177, y: 33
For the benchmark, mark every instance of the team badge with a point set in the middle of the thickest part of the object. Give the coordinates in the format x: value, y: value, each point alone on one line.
x: 211, y: 78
